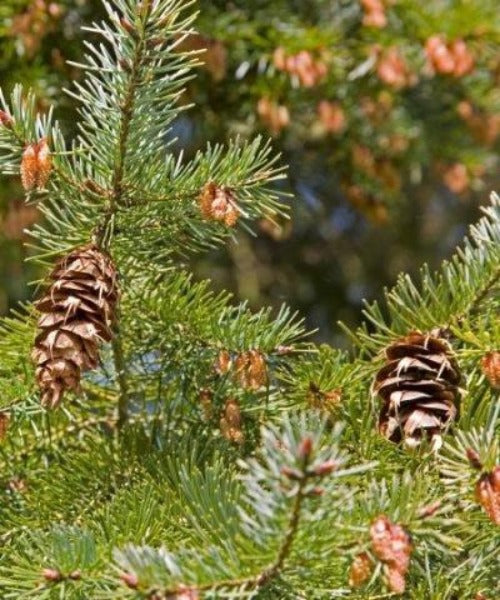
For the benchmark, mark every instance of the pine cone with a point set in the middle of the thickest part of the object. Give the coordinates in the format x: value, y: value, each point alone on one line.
x: 77, y: 312
x: 490, y: 365
x: 230, y: 422
x: 218, y: 204
x: 488, y: 494
x: 361, y: 570
x: 419, y: 387
x: 251, y: 370
x: 392, y: 545
x: 36, y: 165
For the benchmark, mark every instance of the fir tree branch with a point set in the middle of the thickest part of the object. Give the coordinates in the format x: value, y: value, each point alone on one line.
x: 114, y: 200
x: 299, y: 461
x: 291, y: 532
x: 482, y: 293
x: 264, y: 576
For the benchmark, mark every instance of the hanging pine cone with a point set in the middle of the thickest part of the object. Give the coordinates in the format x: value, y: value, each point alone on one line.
x: 419, y: 388
x: 77, y: 312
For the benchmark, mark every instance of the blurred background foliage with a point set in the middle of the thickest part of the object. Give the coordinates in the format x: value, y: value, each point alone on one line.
x: 387, y: 111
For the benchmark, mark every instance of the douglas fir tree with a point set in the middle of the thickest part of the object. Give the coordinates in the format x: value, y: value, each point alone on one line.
x: 159, y: 442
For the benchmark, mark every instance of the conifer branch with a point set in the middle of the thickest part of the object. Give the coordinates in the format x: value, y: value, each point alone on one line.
x: 114, y: 199
x: 78, y: 502
x: 482, y: 293
x: 266, y: 575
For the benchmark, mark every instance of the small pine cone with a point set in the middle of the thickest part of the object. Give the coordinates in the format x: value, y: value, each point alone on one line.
x: 488, y: 494
x: 44, y: 163
x: 218, y: 204
x: 251, y: 369
x: 230, y: 422
x: 419, y: 388
x: 29, y: 167
x: 206, y: 401
x: 36, y: 165
x: 325, y: 401
x: 4, y: 424
x: 392, y: 545
x: 361, y: 570
x: 77, y: 312
x: 490, y: 365
x: 396, y: 580
x: 223, y: 363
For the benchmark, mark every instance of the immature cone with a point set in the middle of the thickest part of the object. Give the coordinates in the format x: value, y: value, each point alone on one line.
x: 29, y: 167
x: 218, y: 204
x: 230, y: 422
x: 36, y: 165
x: 392, y: 545
x: 326, y: 401
x: 274, y: 116
x: 419, y: 388
x: 251, y: 369
x: 490, y: 365
x: 331, y: 116
x: 4, y: 424
x: 361, y: 570
x: 488, y: 494
x: 223, y: 363
x: 205, y: 397
x: 77, y: 312
x: 374, y: 13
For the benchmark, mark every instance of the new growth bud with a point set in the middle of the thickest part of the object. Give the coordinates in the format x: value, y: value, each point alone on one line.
x: 52, y: 575
x: 326, y: 468
x: 291, y: 473
x: 5, y: 119
x: 130, y: 580
x: 305, y: 447
x: 473, y: 458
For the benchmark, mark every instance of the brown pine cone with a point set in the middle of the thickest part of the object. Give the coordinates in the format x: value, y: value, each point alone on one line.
x: 419, y: 388
x: 77, y: 313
